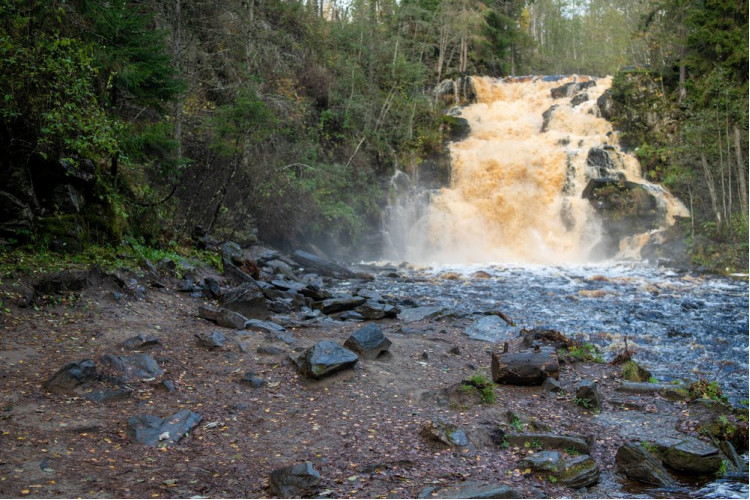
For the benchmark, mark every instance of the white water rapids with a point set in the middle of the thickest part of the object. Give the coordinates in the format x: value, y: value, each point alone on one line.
x: 516, y: 190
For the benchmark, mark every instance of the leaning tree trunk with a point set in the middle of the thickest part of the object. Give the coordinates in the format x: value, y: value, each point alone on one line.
x: 526, y: 367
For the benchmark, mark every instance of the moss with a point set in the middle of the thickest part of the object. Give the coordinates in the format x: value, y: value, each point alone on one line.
x: 634, y: 373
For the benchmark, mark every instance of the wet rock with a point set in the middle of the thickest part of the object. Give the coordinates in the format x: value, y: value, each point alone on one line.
x: 252, y: 379
x: 297, y: 481
x: 579, y: 472
x: 338, y: 304
x: 420, y: 313
x: 530, y: 367
x: 588, y: 395
x: 547, y: 117
x: 444, y: 432
x: 211, y: 340
x: 152, y: 431
x: 324, y: 358
x: 634, y: 461
x: 263, y: 326
x: 579, y: 99
x: 232, y: 252
x: 606, y: 104
x: 489, y: 328
x: 472, y: 489
x: 109, y: 395
x: 549, y: 441
x: 223, y: 317
x: 542, y: 461
x: 377, y: 310
x: 72, y: 375
x: 688, y: 454
x: 247, y: 300
x: 213, y: 287
x: 168, y: 385
x: 132, y: 367
x: 369, y: 342
x: 550, y: 385
x: 322, y: 266
x: 570, y: 89
x: 140, y: 341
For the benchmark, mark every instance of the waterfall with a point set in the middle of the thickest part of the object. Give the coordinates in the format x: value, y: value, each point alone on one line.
x: 523, y: 181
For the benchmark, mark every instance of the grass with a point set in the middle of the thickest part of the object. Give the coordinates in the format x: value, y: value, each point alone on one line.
x: 131, y: 254
x: 482, y: 384
x: 583, y: 351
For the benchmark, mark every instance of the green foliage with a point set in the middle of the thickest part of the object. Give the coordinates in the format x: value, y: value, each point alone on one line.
x: 634, y: 373
x: 47, y: 87
x: 707, y: 389
x: 482, y: 385
x: 584, y: 352
x: 516, y: 423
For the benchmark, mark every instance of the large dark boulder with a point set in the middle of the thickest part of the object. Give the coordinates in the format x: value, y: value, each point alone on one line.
x: 369, y: 342
x: 131, y: 367
x: 72, y: 375
x: 247, y: 299
x: 588, y: 395
x: 571, y: 89
x: 297, y: 481
x: 324, y: 358
x: 321, y: 266
x: 633, y: 460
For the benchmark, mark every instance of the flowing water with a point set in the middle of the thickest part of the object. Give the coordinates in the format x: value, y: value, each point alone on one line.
x: 515, y: 211
x: 517, y: 181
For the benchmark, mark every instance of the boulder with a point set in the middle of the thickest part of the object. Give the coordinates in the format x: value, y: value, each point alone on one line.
x: 296, y: 481
x: 153, y: 431
x: 491, y: 328
x: 579, y: 472
x: 420, y: 313
x: 472, y: 489
x: 377, y: 310
x: 140, y: 341
x: 263, y: 326
x: 72, y: 375
x: 570, y: 89
x: 324, y: 358
x: 223, y: 317
x: 339, y: 304
x: 543, y: 461
x: 606, y: 105
x: 549, y: 441
x: 211, y: 340
x: 109, y: 395
x: 579, y: 99
x: 132, y: 367
x: 444, y: 432
x: 550, y: 385
x: 635, y: 462
x: 587, y: 394
x: 547, y: 117
x: 531, y: 367
x: 322, y: 266
x: 232, y: 252
x: 247, y: 299
x: 688, y: 454
x: 15, y: 214
x: 369, y: 342
x: 71, y: 280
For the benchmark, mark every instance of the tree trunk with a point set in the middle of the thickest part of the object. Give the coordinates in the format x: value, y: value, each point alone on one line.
x: 526, y: 367
x: 711, y: 189
x: 741, y: 167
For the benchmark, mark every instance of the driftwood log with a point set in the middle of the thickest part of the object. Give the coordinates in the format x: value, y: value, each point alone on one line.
x: 530, y: 367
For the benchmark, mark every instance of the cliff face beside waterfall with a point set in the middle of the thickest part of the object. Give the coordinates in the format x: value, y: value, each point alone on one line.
x: 541, y: 178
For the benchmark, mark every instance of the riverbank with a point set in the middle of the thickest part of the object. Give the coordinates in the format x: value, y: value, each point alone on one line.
x: 371, y: 431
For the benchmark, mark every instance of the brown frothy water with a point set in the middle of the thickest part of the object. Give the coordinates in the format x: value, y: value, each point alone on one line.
x: 515, y: 193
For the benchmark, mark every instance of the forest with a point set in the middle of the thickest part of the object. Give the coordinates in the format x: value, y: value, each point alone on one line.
x: 282, y: 121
